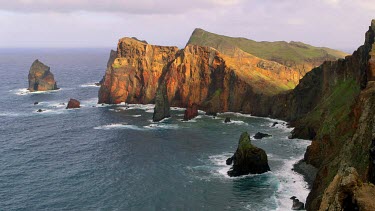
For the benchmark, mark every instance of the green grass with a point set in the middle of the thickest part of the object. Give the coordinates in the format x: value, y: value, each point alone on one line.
x: 283, y: 52
x: 335, y: 108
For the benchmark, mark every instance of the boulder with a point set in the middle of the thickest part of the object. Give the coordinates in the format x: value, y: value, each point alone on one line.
x: 248, y: 159
x: 297, y: 205
x: 227, y: 120
x: 73, y: 103
x: 41, y: 78
x: 39, y: 110
x: 260, y: 135
x: 229, y: 161
x: 162, y: 109
x: 36, y: 103
x: 274, y: 124
x: 191, y: 112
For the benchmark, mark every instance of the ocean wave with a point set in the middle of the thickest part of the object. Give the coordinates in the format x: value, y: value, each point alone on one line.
x: 291, y: 184
x: 93, y: 84
x: 118, y: 126
x: 25, y: 91
x: 162, y: 126
x: 236, y: 122
x: 135, y: 127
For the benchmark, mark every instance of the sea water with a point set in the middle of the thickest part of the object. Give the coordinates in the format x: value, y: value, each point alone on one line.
x: 113, y: 157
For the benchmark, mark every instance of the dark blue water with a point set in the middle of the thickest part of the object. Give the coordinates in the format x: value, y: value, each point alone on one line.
x: 114, y: 158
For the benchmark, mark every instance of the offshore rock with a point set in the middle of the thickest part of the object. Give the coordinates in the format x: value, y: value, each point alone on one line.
x: 73, y: 103
x: 41, y: 78
x: 260, y: 135
x: 191, y: 112
x: 162, y: 108
x: 227, y: 120
x: 248, y: 159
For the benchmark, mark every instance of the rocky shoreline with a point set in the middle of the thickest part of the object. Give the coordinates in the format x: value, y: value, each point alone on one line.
x: 307, y: 171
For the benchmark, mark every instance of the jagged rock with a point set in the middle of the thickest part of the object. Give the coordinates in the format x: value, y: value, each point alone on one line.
x: 191, y: 112
x: 274, y: 124
x: 248, y: 159
x: 227, y: 120
x: 162, y: 109
x: 41, y: 78
x: 297, y: 205
x: 229, y: 161
x: 73, y: 103
x: 260, y: 135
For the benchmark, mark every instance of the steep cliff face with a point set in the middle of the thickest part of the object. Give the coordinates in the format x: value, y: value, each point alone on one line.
x: 41, y: 78
x: 334, y: 105
x: 133, y: 74
x: 296, y: 55
x: 196, y: 74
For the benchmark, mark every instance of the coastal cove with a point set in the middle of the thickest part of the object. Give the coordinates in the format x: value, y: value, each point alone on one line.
x: 114, y: 157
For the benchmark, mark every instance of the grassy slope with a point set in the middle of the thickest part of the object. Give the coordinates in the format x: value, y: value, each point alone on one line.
x: 282, y: 52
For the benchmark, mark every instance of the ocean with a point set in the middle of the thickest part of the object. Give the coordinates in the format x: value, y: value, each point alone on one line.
x: 113, y: 157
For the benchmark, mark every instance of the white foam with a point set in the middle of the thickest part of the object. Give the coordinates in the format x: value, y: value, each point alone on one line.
x: 137, y: 115
x: 24, y: 91
x: 93, y: 84
x: 236, y: 122
x: 118, y: 126
x: 291, y: 183
x: 10, y: 114
x: 162, y: 126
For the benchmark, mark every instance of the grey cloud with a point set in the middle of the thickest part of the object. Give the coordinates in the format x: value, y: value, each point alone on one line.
x: 117, y: 6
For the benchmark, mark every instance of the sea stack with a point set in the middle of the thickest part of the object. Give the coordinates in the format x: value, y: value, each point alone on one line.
x: 248, y: 159
x: 162, y: 109
x: 73, y: 103
x: 191, y: 112
x: 41, y: 78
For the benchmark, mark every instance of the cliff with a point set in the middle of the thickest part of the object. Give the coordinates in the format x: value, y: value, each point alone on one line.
x: 41, y: 78
x: 133, y: 72
x: 296, y: 55
x: 334, y: 105
x: 195, y: 74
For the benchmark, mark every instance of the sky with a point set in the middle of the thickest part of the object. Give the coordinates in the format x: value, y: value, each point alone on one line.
x: 338, y: 24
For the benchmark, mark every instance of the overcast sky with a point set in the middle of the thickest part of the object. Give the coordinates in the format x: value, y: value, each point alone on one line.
x: 338, y: 24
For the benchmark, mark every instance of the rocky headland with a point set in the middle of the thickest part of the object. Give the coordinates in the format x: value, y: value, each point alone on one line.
x: 41, y: 78
x: 333, y: 104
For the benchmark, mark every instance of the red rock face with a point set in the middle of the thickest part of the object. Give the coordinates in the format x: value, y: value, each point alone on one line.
x: 133, y: 76
x: 200, y: 75
x: 73, y: 103
x: 191, y: 112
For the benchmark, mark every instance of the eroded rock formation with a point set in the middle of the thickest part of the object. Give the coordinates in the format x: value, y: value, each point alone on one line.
x: 73, y: 103
x: 248, y: 159
x: 41, y: 78
x: 162, y: 109
x: 191, y: 112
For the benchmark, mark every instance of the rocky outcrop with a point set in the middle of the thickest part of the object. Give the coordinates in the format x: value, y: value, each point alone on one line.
x: 334, y: 105
x: 133, y: 72
x: 73, y: 103
x: 248, y: 159
x: 191, y: 112
x: 162, y: 109
x: 202, y: 75
x: 41, y: 78
x: 260, y: 135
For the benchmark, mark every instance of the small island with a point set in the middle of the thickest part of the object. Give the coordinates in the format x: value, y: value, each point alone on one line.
x: 41, y: 78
